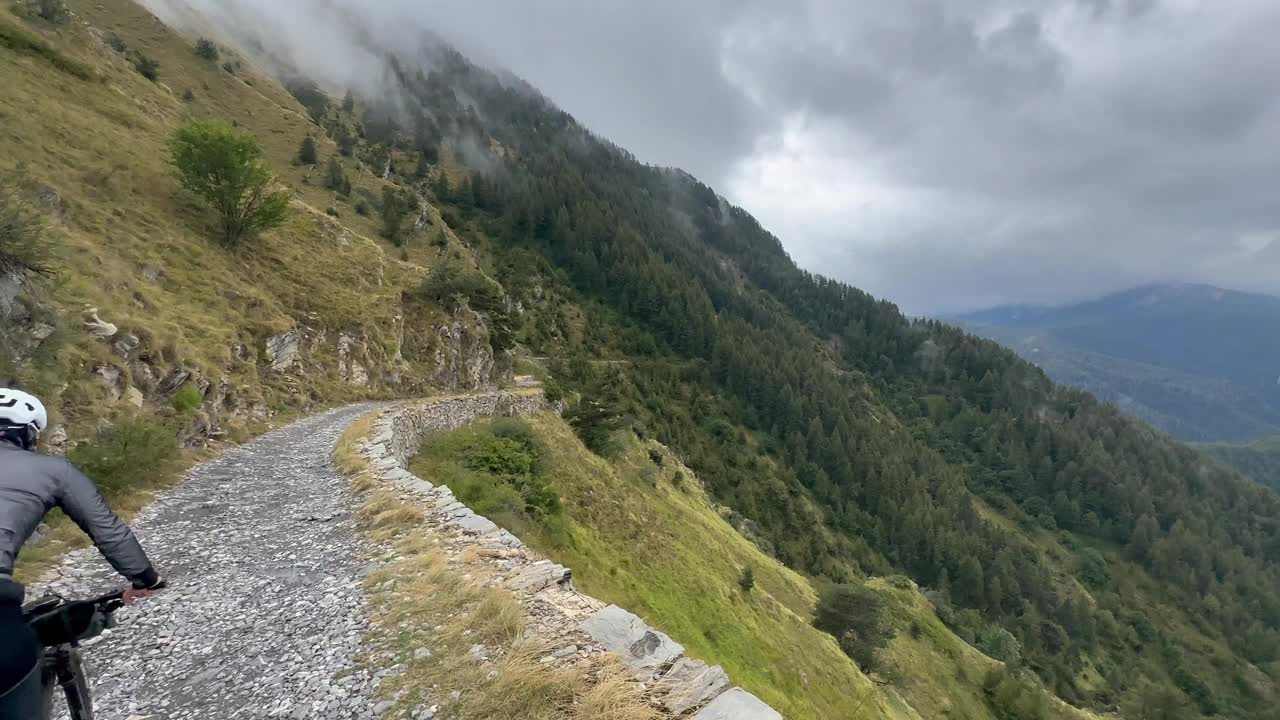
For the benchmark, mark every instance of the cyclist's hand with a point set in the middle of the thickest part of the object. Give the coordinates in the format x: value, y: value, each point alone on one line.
x: 132, y: 595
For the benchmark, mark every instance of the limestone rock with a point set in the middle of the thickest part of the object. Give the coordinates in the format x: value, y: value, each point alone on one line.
x: 350, y: 369
x: 96, y: 326
x: 56, y: 442
x: 737, y: 704
x: 109, y: 378
x: 689, y: 684
x: 643, y: 649
x: 539, y: 575
x: 133, y: 396
x: 283, y: 349
x: 125, y: 344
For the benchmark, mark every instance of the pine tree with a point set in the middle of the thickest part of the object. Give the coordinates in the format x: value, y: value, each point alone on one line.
x: 307, y: 153
x: 970, y: 587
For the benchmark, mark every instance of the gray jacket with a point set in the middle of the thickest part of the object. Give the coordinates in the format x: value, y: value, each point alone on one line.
x: 32, y: 484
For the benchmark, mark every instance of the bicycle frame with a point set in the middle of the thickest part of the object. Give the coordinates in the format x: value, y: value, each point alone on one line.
x: 65, y: 625
x: 62, y: 667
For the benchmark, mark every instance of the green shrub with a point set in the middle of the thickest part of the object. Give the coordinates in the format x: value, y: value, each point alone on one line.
x: 128, y: 453
x: 1012, y: 696
x: 747, y: 581
x: 117, y: 43
x: 229, y: 68
x: 188, y: 95
x: 205, y: 49
x: 147, y: 67
x: 362, y: 207
x: 188, y: 399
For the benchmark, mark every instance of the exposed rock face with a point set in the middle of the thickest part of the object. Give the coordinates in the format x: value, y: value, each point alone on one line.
x: 109, y: 378
x: 463, y: 358
x: 350, y: 368
x: 283, y: 349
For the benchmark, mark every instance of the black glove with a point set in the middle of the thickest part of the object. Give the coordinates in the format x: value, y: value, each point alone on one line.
x: 148, y: 580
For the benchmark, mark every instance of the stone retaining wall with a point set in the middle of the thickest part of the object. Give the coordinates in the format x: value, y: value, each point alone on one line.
x: 578, y: 625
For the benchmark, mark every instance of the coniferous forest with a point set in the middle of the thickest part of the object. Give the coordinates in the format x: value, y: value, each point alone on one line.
x: 848, y: 439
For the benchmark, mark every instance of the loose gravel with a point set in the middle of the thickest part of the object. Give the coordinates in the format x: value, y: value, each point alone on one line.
x: 265, y: 614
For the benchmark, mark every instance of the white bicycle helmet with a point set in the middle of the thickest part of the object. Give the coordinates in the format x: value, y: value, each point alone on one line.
x: 19, y: 410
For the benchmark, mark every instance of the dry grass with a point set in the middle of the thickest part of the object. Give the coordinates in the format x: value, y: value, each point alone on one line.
x: 385, y: 511
x: 419, y: 601
x: 347, y: 455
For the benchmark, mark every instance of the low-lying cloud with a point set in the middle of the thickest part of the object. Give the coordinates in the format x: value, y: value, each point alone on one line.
x: 946, y: 154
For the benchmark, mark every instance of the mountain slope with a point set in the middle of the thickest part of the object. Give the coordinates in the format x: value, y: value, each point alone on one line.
x: 1191, y: 359
x: 189, y: 342
x: 639, y: 530
x: 1259, y: 460
x: 1103, y: 559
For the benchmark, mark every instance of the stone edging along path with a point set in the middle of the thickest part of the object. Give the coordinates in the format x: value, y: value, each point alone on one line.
x: 575, y: 623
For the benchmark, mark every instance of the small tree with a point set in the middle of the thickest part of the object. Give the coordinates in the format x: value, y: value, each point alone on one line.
x: 396, y: 204
x: 336, y: 178
x: 346, y: 141
x: 205, y: 49
x: 854, y: 614
x: 225, y: 167
x: 748, y: 579
x: 307, y: 153
x: 348, y: 102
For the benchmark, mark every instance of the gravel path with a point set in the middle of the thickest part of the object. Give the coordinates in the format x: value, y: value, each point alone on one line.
x: 265, y: 615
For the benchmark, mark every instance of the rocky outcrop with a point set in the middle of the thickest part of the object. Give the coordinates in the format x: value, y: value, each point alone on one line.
x: 352, y: 360
x: 282, y: 350
x: 463, y: 357
x: 579, y: 625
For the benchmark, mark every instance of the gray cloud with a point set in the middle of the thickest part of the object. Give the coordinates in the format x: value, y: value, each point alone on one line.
x: 943, y: 153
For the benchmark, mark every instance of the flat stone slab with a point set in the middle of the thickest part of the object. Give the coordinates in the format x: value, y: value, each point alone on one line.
x: 538, y: 576
x: 476, y: 524
x: 689, y: 684
x: 737, y: 704
x: 643, y: 649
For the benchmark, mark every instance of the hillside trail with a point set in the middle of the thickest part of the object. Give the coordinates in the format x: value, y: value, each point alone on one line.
x: 265, y: 615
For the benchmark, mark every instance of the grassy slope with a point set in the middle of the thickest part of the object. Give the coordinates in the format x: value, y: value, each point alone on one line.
x: 664, y: 552
x: 130, y: 242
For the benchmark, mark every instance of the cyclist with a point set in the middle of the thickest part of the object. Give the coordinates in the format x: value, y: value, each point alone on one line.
x: 30, y: 485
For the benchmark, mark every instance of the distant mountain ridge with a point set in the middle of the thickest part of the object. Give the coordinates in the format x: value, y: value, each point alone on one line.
x: 1200, y: 362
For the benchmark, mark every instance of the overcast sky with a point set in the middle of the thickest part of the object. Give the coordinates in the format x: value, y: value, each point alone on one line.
x: 946, y: 154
